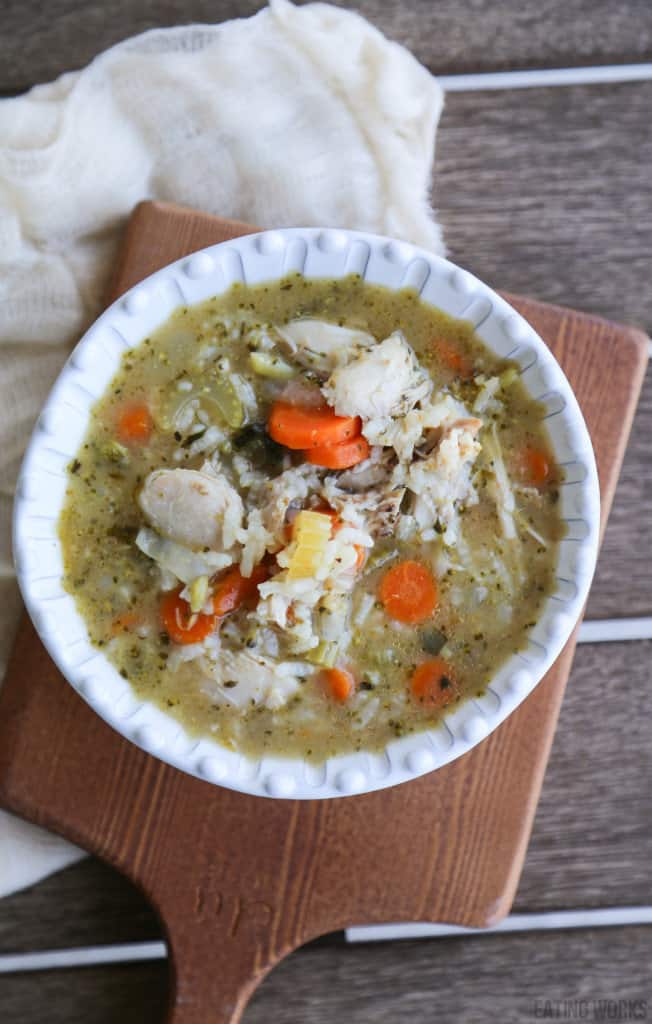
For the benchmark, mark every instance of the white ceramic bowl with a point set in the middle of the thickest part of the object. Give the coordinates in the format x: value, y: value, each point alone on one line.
x: 63, y: 422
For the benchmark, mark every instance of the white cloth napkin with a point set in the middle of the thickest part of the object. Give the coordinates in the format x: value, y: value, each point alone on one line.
x: 298, y: 115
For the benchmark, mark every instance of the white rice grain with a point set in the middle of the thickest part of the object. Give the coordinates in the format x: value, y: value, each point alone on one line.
x: 361, y: 614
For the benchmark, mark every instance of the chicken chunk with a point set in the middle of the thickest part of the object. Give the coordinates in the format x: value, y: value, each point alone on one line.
x: 319, y: 345
x: 374, y: 472
x: 443, y: 481
x: 243, y: 680
x: 383, y: 519
x: 195, y: 508
x: 377, y: 383
x: 288, y: 490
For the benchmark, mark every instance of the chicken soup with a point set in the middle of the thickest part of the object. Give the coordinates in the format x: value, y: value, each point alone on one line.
x: 311, y: 516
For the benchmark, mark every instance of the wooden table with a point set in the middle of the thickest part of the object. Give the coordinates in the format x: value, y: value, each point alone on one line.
x: 548, y: 192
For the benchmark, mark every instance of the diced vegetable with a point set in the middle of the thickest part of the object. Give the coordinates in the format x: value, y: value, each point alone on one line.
x: 115, y: 452
x: 312, y: 532
x: 360, y: 560
x: 534, y: 466
x: 486, y: 395
x: 432, y: 640
x: 128, y: 622
x: 325, y: 510
x: 433, y: 684
x: 453, y: 359
x: 324, y: 654
x: 508, y: 377
x: 267, y: 365
x: 337, y: 524
x: 233, y: 589
x: 380, y: 556
x: 409, y: 592
x: 224, y: 397
x: 339, y: 456
x: 182, y: 625
x: 135, y: 423
x: 198, y: 593
x: 172, y: 410
x: 337, y: 684
x: 299, y: 428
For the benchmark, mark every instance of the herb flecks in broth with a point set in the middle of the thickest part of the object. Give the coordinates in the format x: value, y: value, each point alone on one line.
x: 310, y: 516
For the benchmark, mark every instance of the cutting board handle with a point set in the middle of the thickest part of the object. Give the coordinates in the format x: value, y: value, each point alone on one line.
x: 216, y: 995
x: 217, y: 964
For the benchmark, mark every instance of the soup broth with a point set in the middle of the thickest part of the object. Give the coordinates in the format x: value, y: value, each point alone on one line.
x: 311, y: 516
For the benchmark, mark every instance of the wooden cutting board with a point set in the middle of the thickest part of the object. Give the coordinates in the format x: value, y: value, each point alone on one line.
x: 240, y: 881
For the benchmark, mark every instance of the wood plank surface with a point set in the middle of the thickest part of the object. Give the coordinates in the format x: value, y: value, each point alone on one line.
x: 125, y: 994
x: 592, y: 835
x: 501, y: 978
x: 40, y: 41
x: 87, y: 904
x: 623, y: 580
x: 548, y: 192
x: 474, y: 980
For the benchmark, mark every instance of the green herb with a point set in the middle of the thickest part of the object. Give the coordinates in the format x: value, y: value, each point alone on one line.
x: 432, y: 640
x: 192, y: 438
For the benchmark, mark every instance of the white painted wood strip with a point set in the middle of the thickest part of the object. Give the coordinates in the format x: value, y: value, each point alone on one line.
x: 542, y: 77
x: 607, y: 917
x: 597, y: 631
x: 88, y: 956
x: 134, y: 952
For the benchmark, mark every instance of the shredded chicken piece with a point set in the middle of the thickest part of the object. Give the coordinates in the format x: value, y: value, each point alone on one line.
x: 242, y: 679
x: 499, y: 487
x: 294, y: 605
x: 383, y: 518
x: 373, y: 472
x: 290, y: 489
x: 442, y: 482
x: 382, y: 381
x: 376, y: 510
x: 184, y: 564
x: 196, y: 508
x: 319, y: 344
x: 409, y: 432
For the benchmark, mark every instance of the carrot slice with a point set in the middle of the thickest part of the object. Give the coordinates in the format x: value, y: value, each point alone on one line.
x: 135, y: 423
x: 337, y: 684
x: 298, y: 427
x: 433, y: 684
x: 453, y: 359
x: 409, y: 592
x: 127, y: 622
x: 360, y: 560
x: 233, y: 589
x: 535, y: 466
x: 180, y: 624
x: 339, y: 456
